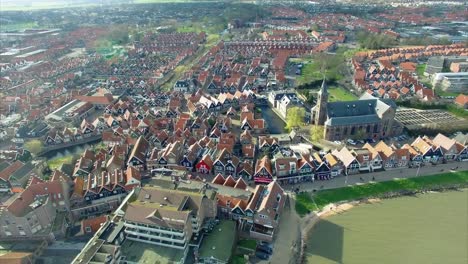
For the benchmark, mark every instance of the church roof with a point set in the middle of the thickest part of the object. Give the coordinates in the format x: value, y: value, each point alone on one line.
x: 351, y: 108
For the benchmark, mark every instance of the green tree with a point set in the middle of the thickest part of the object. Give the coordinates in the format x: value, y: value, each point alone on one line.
x: 316, y: 133
x: 295, y: 117
x: 34, y: 146
x: 360, y: 134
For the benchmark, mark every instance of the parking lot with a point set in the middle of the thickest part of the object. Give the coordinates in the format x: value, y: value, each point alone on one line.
x: 413, y: 118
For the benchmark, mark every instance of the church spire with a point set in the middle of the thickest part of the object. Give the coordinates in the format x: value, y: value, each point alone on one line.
x: 323, y: 88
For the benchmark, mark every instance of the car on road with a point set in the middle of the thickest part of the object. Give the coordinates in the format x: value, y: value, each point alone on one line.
x: 262, y: 255
x: 337, y: 142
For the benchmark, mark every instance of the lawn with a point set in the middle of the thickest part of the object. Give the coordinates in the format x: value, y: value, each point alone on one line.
x: 306, y: 202
x: 311, y: 71
x: 340, y: 94
x: 420, y: 68
x: 56, y: 162
x: 247, y: 243
x: 238, y: 259
x: 219, y: 242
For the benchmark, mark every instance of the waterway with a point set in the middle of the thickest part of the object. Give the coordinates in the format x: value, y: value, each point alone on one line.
x: 274, y: 122
x: 429, y: 228
x: 75, y: 150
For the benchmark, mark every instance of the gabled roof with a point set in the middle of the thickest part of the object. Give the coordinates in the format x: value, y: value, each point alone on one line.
x: 345, y: 156
x: 219, y: 179
x: 444, y: 142
x: 6, y: 173
x: 230, y: 181
x: 265, y: 162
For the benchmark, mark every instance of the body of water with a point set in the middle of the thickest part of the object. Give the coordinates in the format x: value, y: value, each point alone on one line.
x: 274, y: 123
x: 429, y: 228
x: 69, y: 151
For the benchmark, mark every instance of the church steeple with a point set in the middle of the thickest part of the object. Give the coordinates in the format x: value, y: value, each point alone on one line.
x: 320, y: 109
x: 324, y: 88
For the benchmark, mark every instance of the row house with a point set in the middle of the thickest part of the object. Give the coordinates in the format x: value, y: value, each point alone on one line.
x: 226, y: 163
x: 139, y: 153
x: 322, y: 169
x: 430, y: 152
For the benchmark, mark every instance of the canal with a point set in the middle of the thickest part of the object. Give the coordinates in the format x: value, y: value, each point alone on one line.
x: 71, y: 151
x: 274, y: 123
x: 429, y: 228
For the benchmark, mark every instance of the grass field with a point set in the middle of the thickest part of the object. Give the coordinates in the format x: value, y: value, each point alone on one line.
x: 340, y: 94
x: 247, y: 243
x: 305, y: 202
x: 17, y: 26
x: 420, y: 68
x: 56, y: 162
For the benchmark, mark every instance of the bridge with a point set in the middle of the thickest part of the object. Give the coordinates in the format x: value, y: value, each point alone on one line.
x: 50, y: 148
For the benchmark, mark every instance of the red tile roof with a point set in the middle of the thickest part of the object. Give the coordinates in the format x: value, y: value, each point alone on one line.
x: 93, y: 224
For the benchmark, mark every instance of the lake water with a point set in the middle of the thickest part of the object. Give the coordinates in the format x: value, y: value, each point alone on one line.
x: 430, y: 228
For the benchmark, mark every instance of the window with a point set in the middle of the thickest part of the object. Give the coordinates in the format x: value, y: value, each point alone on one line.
x: 278, y: 197
x: 88, y: 229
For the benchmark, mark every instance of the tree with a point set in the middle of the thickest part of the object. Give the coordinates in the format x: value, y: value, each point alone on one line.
x: 360, y: 134
x: 316, y: 133
x: 295, y: 117
x: 34, y: 146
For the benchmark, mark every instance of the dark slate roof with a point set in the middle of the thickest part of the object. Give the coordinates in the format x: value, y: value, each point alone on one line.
x: 182, y: 83
x: 352, y: 120
x: 390, y: 103
x: 351, y: 108
x: 278, y: 96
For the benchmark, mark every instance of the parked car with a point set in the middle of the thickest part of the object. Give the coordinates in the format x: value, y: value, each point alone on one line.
x: 265, y: 249
x: 262, y: 255
x: 350, y: 141
x: 337, y: 142
x: 266, y: 244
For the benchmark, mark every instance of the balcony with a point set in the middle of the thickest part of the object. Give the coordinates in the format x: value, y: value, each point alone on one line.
x: 157, y: 242
x: 155, y: 229
x: 154, y: 235
x: 262, y: 233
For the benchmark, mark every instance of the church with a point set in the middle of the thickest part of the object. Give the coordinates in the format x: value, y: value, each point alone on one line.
x: 366, y: 118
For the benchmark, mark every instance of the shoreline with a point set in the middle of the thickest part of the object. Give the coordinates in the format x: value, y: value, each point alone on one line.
x: 311, y: 219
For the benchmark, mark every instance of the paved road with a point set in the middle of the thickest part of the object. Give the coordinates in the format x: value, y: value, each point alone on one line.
x: 287, y: 239
x: 388, y: 175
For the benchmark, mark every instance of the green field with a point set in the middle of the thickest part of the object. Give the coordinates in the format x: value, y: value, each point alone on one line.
x: 338, y: 94
x: 57, y: 162
x: 306, y: 202
x: 18, y: 26
x: 247, y: 243
x: 427, y: 228
x: 420, y: 68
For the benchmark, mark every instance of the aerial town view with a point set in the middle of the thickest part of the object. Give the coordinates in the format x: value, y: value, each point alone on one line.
x: 233, y: 131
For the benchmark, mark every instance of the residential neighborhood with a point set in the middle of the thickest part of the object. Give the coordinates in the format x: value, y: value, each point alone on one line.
x: 218, y: 131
